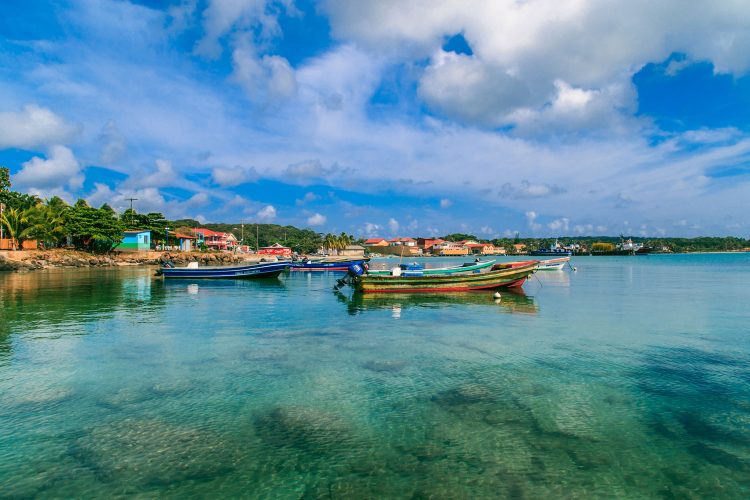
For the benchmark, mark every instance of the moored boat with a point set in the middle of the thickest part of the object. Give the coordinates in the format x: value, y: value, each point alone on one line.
x: 555, y: 250
x: 553, y: 264
x: 249, y: 271
x: 328, y: 264
x: 466, y: 267
x: 500, y: 276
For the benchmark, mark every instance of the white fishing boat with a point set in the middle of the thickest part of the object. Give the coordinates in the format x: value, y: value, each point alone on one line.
x: 553, y: 264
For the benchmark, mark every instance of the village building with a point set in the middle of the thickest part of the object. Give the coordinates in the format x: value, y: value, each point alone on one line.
x: 482, y: 248
x: 376, y: 242
x: 275, y: 249
x: 186, y: 242
x: 449, y: 248
x: 136, y: 240
x: 215, y: 240
x: 352, y: 251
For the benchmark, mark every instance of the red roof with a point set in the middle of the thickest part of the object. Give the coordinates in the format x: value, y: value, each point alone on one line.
x: 407, y: 239
x: 208, y: 232
x: 184, y: 236
x: 374, y: 240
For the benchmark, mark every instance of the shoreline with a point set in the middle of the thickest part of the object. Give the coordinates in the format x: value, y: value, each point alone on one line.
x: 31, y: 260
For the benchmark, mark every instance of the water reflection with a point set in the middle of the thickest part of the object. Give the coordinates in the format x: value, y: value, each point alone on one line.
x: 515, y: 301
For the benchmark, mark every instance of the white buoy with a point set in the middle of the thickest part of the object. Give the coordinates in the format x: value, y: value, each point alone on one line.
x: 497, y: 295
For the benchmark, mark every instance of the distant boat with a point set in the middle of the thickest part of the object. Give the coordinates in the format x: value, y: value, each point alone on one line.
x: 328, y: 264
x: 507, y: 275
x: 555, y: 250
x: 193, y: 271
x: 418, y: 270
x: 553, y: 264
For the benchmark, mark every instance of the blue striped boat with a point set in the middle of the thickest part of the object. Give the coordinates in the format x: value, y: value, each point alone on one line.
x: 329, y: 264
x: 262, y: 270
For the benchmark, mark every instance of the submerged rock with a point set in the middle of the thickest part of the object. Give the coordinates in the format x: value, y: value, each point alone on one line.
x: 303, y: 428
x: 145, y: 453
x: 388, y: 366
x: 464, y: 395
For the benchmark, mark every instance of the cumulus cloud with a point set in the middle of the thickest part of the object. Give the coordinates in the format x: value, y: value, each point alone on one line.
x: 267, y: 213
x: 221, y: 16
x: 539, y: 55
x: 60, y: 168
x: 445, y: 203
x: 316, y: 219
x: 267, y: 79
x: 371, y: 229
x: 113, y: 143
x: 529, y: 190
x: 560, y: 224
x: 531, y: 221
x: 32, y: 127
x: 393, y: 225
x: 233, y: 176
x: 308, y: 198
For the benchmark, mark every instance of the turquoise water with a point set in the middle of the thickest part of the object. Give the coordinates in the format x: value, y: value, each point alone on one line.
x: 628, y: 378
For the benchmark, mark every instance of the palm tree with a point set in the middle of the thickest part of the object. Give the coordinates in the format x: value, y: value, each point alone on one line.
x: 329, y: 241
x: 15, y: 222
x: 46, y: 222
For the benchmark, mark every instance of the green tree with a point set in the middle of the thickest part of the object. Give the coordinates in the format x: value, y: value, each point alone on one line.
x: 47, y: 222
x: 4, y: 179
x: 15, y: 222
x: 93, y: 229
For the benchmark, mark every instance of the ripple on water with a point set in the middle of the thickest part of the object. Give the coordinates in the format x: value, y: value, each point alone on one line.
x: 149, y: 453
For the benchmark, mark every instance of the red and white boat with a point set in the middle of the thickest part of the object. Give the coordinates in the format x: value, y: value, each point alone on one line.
x: 553, y: 264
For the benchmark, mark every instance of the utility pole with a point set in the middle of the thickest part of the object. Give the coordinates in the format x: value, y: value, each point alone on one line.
x: 131, y: 208
x: 242, y: 234
x: 257, y: 232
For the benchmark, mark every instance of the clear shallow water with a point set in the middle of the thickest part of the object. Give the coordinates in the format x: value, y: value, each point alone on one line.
x: 629, y: 378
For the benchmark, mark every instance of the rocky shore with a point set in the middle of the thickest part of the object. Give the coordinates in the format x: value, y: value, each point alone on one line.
x: 29, y: 260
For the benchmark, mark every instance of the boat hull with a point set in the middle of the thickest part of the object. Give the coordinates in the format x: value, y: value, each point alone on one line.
x: 441, y: 270
x: 254, y: 271
x: 545, y: 252
x: 553, y: 264
x: 508, y: 277
x: 332, y: 265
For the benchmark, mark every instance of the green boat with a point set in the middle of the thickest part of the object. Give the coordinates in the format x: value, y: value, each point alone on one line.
x: 512, y: 274
x: 467, y: 267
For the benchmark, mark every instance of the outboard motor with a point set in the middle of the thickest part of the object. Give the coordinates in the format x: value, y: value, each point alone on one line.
x: 356, y: 270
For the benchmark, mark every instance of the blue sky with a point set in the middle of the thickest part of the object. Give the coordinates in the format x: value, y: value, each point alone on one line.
x: 387, y: 118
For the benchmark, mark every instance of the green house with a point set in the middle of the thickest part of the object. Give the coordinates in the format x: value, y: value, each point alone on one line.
x: 135, y: 241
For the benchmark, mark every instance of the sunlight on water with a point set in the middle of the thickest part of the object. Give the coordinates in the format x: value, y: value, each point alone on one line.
x: 629, y: 378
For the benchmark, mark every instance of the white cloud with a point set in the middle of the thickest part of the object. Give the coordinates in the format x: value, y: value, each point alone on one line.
x: 266, y: 79
x: 233, y: 176
x: 316, y: 220
x: 197, y: 200
x: 113, y: 143
x: 555, y: 55
x: 221, y: 16
x: 371, y: 229
x: 59, y: 169
x: 393, y: 225
x: 267, y: 213
x: 560, y: 224
x: 446, y: 203
x: 33, y: 127
x: 531, y: 221
x: 308, y: 198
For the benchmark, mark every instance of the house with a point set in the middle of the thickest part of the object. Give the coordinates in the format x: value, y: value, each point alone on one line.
x: 407, y: 242
x: 215, y: 240
x: 353, y: 251
x: 186, y: 241
x: 275, y: 249
x: 426, y: 243
x: 449, y: 248
x: 482, y: 248
x: 519, y: 248
x: 376, y: 242
x: 137, y: 240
